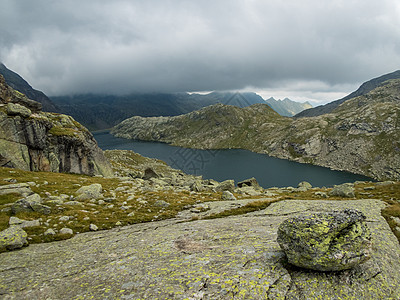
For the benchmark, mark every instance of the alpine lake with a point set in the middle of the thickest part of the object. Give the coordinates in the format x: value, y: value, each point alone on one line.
x: 233, y: 164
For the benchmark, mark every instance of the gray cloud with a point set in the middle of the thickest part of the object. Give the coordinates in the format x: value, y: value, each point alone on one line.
x: 64, y: 47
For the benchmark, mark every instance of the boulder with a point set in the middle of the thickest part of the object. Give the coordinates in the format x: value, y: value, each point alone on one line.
x: 50, y: 232
x: 93, y: 227
x: 15, y: 109
x: 14, y: 221
x: 17, y: 188
x: 66, y: 231
x: 227, y: 195
x: 12, y: 238
x: 333, y: 241
x: 249, y: 190
x: 344, y: 190
x: 227, y: 185
x: 249, y: 182
x: 29, y: 204
x: 197, y: 186
x: 304, y: 186
x: 150, y: 173
x: 92, y: 191
x: 161, y: 203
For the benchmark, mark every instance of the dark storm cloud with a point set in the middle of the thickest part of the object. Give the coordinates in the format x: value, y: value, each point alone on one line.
x: 121, y: 46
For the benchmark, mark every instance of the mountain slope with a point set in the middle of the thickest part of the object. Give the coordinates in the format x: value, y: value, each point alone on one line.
x: 365, y: 88
x: 287, y: 107
x: 362, y: 135
x: 18, y: 83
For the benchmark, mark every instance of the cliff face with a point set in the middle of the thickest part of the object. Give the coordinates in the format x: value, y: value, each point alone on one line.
x: 362, y: 135
x: 34, y: 140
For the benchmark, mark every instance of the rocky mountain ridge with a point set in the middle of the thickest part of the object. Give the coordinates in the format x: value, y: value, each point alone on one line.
x: 18, y: 83
x: 361, y: 135
x: 34, y: 140
x: 365, y: 88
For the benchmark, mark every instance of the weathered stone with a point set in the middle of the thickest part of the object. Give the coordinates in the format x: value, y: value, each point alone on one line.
x: 92, y: 191
x: 150, y: 173
x: 227, y: 195
x: 66, y: 231
x: 333, y: 241
x: 12, y: 238
x: 40, y: 208
x: 321, y: 194
x: 344, y: 190
x: 304, y: 186
x: 14, y: 109
x: 29, y: 204
x: 227, y: 185
x: 249, y: 190
x: 161, y: 203
x: 49, y: 232
x: 14, y: 221
x: 249, y: 182
x: 63, y: 218
x: 18, y: 188
x: 197, y: 186
x: 93, y: 227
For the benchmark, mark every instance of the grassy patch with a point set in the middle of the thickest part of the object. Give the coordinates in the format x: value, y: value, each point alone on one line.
x: 62, y: 131
x: 123, y: 207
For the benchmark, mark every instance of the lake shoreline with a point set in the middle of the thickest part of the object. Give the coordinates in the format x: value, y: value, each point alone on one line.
x: 237, y: 164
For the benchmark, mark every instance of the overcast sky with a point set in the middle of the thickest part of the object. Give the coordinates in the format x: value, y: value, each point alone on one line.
x: 303, y: 49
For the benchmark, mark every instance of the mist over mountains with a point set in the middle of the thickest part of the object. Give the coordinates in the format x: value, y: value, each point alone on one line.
x: 98, y: 112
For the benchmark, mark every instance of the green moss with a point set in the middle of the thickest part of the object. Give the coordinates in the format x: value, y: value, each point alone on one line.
x: 62, y: 131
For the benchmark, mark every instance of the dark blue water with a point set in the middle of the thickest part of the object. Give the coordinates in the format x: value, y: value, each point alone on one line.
x: 231, y: 164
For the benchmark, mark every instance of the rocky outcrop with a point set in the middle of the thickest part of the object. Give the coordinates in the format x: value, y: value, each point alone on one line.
x: 333, y: 241
x: 39, y: 141
x: 19, y: 84
x: 227, y: 258
x: 360, y: 136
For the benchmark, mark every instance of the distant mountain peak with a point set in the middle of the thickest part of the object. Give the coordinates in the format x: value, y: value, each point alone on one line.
x: 287, y: 107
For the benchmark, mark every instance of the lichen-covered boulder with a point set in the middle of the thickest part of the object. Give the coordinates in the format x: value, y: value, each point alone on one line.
x: 332, y: 241
x: 92, y: 191
x: 29, y: 204
x: 12, y: 238
x: 227, y: 185
x: 227, y: 195
x: 304, y: 186
x: 344, y: 190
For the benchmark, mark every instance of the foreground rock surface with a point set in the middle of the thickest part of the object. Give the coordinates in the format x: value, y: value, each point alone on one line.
x: 229, y: 258
x: 331, y: 241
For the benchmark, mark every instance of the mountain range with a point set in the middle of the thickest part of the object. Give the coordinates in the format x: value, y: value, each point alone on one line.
x: 361, y: 135
x: 98, y: 112
x: 103, y: 112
